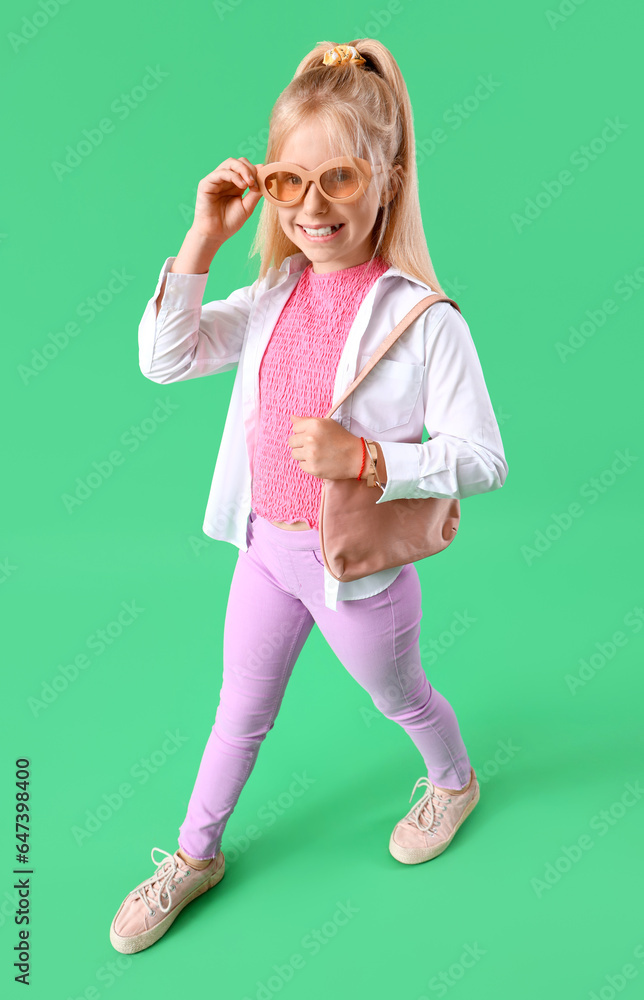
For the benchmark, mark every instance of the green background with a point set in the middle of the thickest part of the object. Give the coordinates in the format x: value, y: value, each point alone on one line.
x: 523, y: 288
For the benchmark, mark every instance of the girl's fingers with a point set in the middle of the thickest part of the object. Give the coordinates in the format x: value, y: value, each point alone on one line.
x: 240, y: 171
x: 246, y: 178
x: 234, y: 177
x: 252, y: 170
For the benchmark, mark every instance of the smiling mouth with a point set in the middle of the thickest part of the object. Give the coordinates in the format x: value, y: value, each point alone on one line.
x: 321, y: 230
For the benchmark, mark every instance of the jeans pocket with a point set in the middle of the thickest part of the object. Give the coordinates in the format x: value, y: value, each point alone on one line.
x: 317, y: 555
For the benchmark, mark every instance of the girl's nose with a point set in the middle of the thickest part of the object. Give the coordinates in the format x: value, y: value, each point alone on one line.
x: 316, y: 197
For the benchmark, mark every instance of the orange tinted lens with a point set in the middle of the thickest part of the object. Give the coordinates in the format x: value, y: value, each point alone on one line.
x: 283, y: 186
x: 340, y: 182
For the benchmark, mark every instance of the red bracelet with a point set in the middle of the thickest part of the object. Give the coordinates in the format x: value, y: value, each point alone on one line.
x: 364, y: 457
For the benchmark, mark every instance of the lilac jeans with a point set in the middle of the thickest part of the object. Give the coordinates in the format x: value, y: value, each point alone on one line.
x: 276, y: 595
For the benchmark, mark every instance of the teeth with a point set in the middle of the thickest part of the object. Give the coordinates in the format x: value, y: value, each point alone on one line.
x: 326, y: 231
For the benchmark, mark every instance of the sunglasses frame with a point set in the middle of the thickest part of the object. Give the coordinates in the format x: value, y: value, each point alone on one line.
x: 364, y: 168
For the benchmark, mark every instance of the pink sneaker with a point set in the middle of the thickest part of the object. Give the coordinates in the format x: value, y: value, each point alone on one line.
x: 429, y: 826
x: 151, y: 908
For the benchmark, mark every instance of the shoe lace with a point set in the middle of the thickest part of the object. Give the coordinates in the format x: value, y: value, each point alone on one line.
x: 162, y: 883
x: 426, y: 811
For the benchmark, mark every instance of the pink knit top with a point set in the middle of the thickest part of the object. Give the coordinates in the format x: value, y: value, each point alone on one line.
x: 296, y: 376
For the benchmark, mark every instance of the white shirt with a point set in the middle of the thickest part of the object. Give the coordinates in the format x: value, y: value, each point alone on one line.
x: 431, y: 378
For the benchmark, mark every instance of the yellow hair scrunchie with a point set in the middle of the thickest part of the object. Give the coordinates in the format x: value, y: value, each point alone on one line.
x: 341, y: 54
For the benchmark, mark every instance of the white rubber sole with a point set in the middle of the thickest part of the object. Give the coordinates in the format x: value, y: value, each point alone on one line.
x: 416, y: 855
x: 130, y: 945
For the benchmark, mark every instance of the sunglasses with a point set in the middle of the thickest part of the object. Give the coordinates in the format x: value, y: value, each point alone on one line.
x: 342, y: 179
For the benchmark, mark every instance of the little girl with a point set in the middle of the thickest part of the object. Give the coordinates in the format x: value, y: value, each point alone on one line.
x: 343, y: 259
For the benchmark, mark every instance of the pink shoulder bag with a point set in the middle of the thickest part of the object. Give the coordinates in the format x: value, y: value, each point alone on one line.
x: 359, y: 536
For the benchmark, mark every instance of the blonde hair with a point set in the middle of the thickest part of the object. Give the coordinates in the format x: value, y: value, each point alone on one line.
x: 364, y: 111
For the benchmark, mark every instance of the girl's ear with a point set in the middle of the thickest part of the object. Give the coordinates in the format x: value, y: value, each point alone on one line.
x: 393, y: 185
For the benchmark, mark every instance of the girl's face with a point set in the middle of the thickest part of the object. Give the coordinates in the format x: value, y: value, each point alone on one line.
x: 351, y: 245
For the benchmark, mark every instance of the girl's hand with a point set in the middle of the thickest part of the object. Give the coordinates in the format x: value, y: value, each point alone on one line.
x: 220, y: 210
x: 324, y: 448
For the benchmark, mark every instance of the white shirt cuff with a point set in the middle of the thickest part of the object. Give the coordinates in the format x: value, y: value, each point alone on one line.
x: 182, y: 291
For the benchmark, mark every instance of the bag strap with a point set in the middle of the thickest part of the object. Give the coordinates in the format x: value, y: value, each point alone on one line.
x: 413, y: 314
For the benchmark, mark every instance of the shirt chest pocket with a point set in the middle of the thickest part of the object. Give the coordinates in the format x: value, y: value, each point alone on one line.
x: 387, y: 396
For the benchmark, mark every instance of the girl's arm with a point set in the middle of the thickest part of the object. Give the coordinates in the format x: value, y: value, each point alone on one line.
x: 179, y: 336
x: 194, y: 257
x: 464, y: 455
